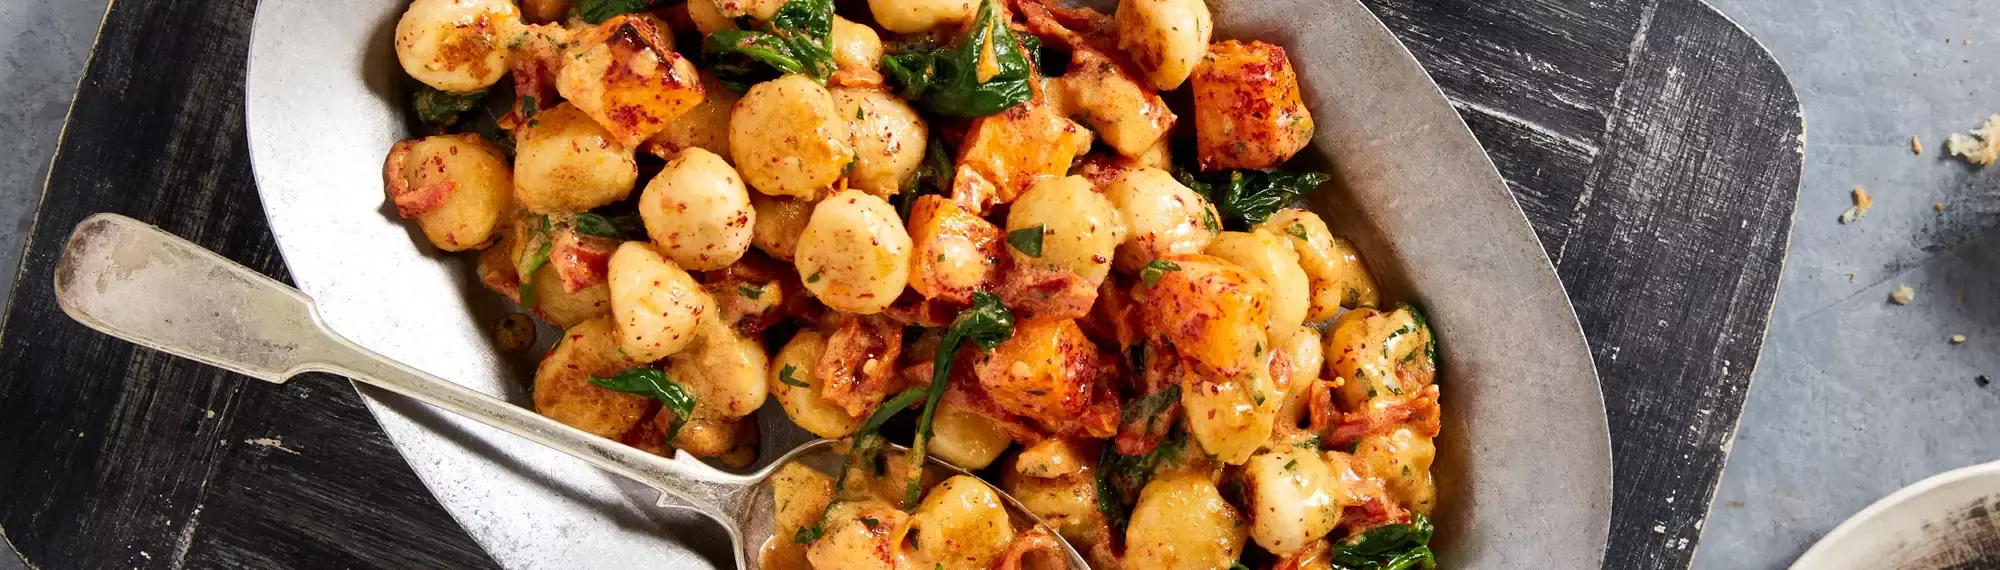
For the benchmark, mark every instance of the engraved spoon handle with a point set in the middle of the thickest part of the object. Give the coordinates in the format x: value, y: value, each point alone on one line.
x: 139, y: 283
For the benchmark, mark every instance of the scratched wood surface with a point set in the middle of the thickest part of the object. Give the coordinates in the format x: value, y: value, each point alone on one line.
x: 1652, y: 143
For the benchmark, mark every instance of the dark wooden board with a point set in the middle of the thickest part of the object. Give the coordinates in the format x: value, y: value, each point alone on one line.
x: 1652, y: 144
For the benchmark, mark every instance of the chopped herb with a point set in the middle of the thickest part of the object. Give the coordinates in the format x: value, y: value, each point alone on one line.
x: 860, y: 112
x: 785, y: 376
x: 1208, y: 220
x: 1297, y: 231
x: 1260, y: 349
x: 1156, y: 269
x: 1038, y: 392
x: 1257, y: 396
x: 657, y: 385
x: 1290, y: 465
x: 869, y: 522
x: 751, y: 293
x: 528, y: 107
x: 807, y: 535
x: 1406, y: 471
x: 1309, y: 444
x: 1238, y: 565
x: 814, y: 278
x: 1028, y: 240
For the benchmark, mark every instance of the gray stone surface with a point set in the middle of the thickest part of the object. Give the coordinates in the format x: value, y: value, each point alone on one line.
x: 45, y: 45
x: 1855, y: 397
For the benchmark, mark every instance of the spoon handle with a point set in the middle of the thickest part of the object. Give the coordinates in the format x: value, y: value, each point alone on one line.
x: 139, y: 283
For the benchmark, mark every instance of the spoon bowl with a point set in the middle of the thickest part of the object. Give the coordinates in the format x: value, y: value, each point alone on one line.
x: 136, y: 282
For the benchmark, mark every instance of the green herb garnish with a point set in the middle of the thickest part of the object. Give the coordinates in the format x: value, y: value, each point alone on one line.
x: 1028, y: 240
x: 785, y: 376
x: 539, y: 238
x: 1156, y: 269
x: 591, y: 224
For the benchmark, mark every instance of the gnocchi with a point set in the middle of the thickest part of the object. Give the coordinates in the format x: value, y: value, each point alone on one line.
x: 455, y: 45
x: 457, y: 187
x: 1129, y: 339
x: 854, y: 253
x: 1161, y: 216
x: 698, y: 212
x: 1079, y: 229
x: 789, y: 138
x: 656, y: 305
x: 566, y: 162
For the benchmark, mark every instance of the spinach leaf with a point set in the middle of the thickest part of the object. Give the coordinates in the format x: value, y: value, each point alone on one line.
x: 442, y: 108
x: 655, y: 384
x: 1149, y: 408
x: 596, y: 225
x: 540, y: 236
x: 798, y: 39
x: 1388, y: 547
x: 597, y: 11
x: 1247, y: 197
x: 866, y: 446
x: 1121, y: 477
x: 934, y: 176
x: 986, y: 323
x: 948, y: 80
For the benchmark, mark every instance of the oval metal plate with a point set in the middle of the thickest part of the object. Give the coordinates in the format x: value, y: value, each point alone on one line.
x: 1524, y: 464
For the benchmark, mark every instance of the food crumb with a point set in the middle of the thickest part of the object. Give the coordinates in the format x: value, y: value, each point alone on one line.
x: 1981, y: 147
x: 1916, y: 145
x: 1736, y: 504
x: 1903, y: 295
x: 211, y: 414
x: 1938, y: 206
x: 1981, y: 380
x: 1659, y: 529
x: 1862, y: 202
x: 1958, y: 339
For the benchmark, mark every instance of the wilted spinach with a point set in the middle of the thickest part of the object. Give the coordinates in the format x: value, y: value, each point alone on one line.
x: 798, y: 39
x: 1246, y: 197
x: 441, y: 108
x: 1121, y: 477
x: 986, y: 323
x: 655, y: 384
x: 597, y: 11
x: 1388, y: 547
x: 949, y: 80
x: 934, y: 176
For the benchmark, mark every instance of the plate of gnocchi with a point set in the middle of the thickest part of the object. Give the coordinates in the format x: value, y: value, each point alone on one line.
x: 1201, y: 285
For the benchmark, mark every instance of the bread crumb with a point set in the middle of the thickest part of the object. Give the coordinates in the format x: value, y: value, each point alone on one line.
x: 1958, y: 339
x: 1968, y: 42
x: 1860, y: 208
x: 1902, y: 295
x: 1980, y: 148
x: 1938, y: 206
x: 1916, y: 145
x: 1850, y: 277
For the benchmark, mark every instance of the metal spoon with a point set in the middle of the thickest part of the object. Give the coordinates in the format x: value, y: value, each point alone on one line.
x: 134, y: 281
